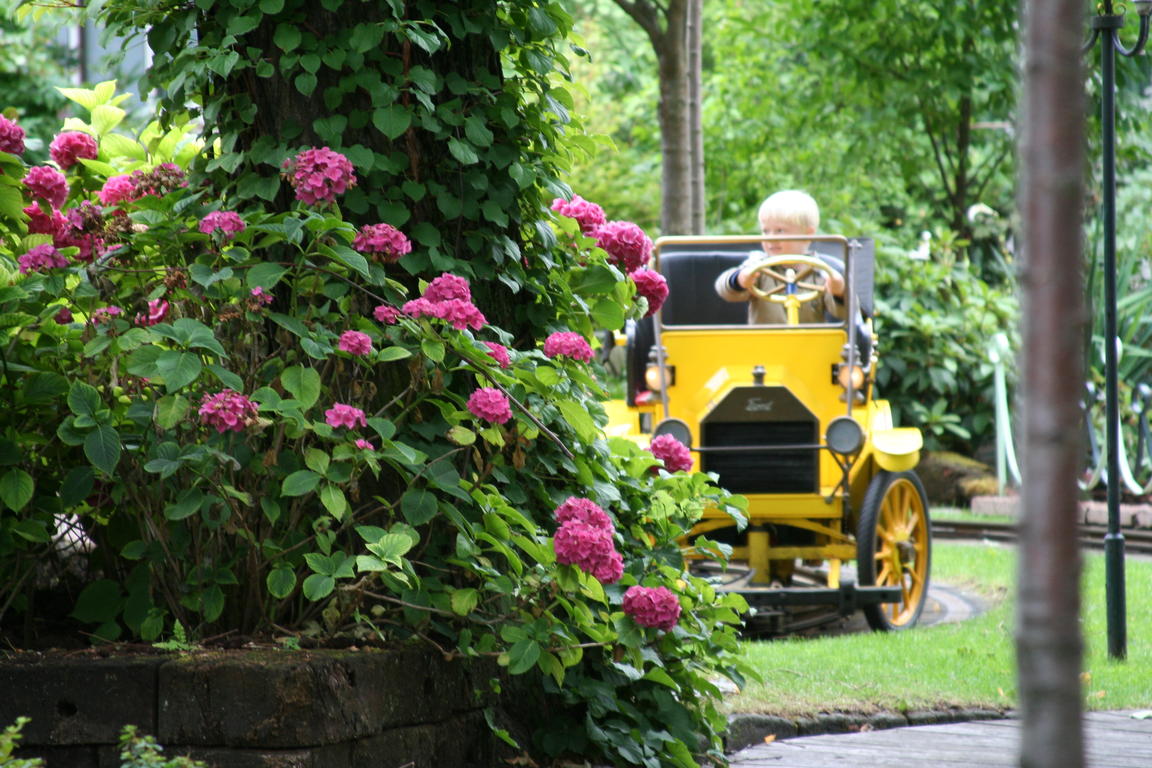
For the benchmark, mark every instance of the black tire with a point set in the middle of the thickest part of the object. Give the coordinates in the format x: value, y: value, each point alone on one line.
x: 894, y: 547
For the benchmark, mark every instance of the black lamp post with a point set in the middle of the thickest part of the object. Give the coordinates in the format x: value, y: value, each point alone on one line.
x: 1106, y: 27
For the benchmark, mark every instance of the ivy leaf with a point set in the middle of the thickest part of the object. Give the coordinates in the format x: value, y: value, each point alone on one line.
x: 392, y: 120
x: 462, y: 151
x: 16, y: 489
x: 306, y: 83
x: 287, y: 37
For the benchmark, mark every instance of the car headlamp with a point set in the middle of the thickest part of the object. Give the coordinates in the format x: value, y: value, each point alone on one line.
x: 844, y: 435
x: 677, y: 428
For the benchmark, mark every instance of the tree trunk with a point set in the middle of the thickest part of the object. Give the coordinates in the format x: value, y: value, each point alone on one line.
x: 695, y: 117
x: 667, y: 29
x: 1048, y: 643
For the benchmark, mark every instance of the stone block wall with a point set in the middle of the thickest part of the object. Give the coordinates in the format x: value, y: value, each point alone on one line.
x: 253, y: 709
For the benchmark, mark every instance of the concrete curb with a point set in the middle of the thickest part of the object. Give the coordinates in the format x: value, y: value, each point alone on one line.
x: 746, y: 730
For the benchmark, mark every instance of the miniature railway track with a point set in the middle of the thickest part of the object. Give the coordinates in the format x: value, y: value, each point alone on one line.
x: 1137, y: 541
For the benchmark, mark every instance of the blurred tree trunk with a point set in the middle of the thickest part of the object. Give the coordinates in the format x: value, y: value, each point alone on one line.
x: 668, y: 29
x: 1049, y: 647
x: 695, y: 109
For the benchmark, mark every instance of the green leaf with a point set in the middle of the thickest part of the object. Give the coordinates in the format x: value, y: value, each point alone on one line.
x: 547, y: 375
x: 83, y: 399
x: 170, y: 410
x: 577, y: 415
x: 271, y: 7
x: 242, y: 25
x: 461, y: 435
x: 226, y: 377
x: 418, y: 505
x: 281, y: 581
x: 318, y: 586
x: 115, y: 145
x: 388, y: 354
x: 106, y: 117
x: 306, y: 83
x: 16, y: 489
x: 102, y: 447
x: 334, y: 501
x: 608, y: 314
x: 464, y: 601
x: 299, y: 483
x: 523, y: 655
x: 265, y: 275
x: 391, y: 547
x: 303, y: 384
x: 178, y: 369
x: 98, y: 602
x: 186, y: 505
x: 433, y: 350
x: 317, y: 460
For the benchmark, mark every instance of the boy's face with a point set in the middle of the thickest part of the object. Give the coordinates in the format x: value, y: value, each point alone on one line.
x: 780, y: 247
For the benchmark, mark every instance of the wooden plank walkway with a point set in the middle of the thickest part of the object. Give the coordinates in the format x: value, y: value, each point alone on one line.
x: 1113, y: 739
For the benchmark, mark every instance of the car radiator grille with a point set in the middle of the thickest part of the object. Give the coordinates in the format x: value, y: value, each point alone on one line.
x: 762, y: 471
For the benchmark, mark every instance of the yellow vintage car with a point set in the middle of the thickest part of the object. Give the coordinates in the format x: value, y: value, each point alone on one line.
x: 786, y: 415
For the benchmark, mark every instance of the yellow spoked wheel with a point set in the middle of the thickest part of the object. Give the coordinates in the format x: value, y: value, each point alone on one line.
x: 894, y: 547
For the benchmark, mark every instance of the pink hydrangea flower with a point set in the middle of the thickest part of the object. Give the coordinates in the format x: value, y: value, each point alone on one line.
x: 106, y: 314
x: 355, y: 343
x: 627, y: 245
x: 652, y: 286
x: 386, y: 314
x: 364, y: 445
x: 157, y: 311
x: 11, y: 137
x: 585, y: 511
x: 340, y: 415
x: 47, y: 184
x: 227, y: 410
x: 384, y: 240
x: 461, y: 314
x: 318, y: 175
x: 672, y: 452
x: 490, y: 404
x: 228, y: 222
x: 652, y: 607
x: 448, y: 286
x: 118, y: 189
x: 261, y: 297
x: 421, y: 308
x: 43, y: 223
x: 87, y: 244
x: 568, y: 344
x: 590, y: 548
x: 64, y: 316
x: 588, y: 215
x: 499, y: 353
x: 41, y: 258
x: 68, y: 147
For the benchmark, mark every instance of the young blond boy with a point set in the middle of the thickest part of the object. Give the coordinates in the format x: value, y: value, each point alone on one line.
x: 789, y: 212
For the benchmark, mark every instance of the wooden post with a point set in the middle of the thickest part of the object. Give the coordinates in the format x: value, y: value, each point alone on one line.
x: 1049, y: 647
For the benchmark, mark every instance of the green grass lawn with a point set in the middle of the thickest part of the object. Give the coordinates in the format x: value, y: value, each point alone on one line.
x: 965, y: 665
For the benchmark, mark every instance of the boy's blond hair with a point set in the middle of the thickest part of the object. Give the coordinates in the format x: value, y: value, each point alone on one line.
x: 793, y: 208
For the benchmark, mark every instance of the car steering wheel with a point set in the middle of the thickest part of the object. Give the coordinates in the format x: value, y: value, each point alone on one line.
x: 790, y: 277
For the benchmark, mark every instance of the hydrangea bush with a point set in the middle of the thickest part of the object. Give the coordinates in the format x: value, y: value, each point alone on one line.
x: 262, y: 423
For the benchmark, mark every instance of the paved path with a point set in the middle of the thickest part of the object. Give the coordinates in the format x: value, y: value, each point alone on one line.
x: 1114, y: 740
